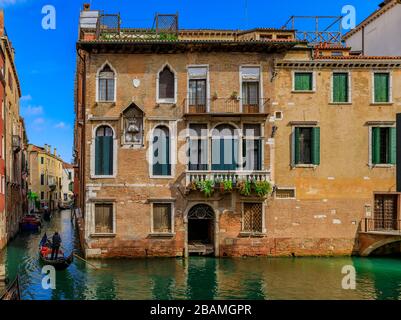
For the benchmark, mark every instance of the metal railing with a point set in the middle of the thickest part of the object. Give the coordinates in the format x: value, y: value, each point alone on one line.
x: 225, y: 105
x: 382, y: 225
x: 233, y: 176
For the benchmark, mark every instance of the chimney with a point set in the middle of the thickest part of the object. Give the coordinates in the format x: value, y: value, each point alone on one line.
x: 1, y: 22
x: 55, y: 152
x: 87, y: 6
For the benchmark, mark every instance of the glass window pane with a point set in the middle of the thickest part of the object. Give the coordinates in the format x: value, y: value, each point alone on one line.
x: 197, y: 72
x: 250, y: 73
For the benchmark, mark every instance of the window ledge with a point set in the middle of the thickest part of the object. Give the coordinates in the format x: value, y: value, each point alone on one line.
x: 161, y: 235
x: 161, y: 177
x: 340, y: 103
x: 382, y: 166
x: 166, y: 101
x: 303, y: 91
x: 103, y: 235
x: 382, y: 103
x: 249, y: 234
x: 113, y: 103
x: 103, y: 177
x: 311, y: 166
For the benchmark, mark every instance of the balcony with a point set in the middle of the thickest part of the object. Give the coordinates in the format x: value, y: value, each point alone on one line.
x: 16, y: 143
x: 233, y: 176
x: 226, y: 107
x: 383, y: 226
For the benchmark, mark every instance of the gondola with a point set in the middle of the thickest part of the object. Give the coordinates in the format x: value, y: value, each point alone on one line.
x: 61, y: 263
x: 30, y: 222
x: 12, y: 292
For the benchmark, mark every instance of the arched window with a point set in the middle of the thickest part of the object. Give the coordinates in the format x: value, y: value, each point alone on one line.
x: 106, y: 85
x: 104, y: 151
x: 161, y: 152
x: 224, y: 148
x: 166, y: 85
x: 133, y: 126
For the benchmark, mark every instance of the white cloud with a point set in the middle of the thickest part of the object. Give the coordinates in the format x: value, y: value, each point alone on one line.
x: 32, y: 111
x: 27, y: 97
x: 39, y: 121
x: 60, y: 125
x: 4, y: 3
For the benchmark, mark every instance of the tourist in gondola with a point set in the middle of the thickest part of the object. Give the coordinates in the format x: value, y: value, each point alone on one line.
x: 56, y: 243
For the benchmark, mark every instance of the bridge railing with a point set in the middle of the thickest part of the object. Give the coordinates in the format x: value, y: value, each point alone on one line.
x: 382, y: 225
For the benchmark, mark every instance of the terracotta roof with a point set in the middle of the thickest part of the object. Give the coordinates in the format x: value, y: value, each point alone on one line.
x: 384, y: 7
x: 153, y: 41
x: 67, y: 166
x: 357, y: 58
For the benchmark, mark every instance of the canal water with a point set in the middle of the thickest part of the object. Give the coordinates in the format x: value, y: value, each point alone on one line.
x: 199, y: 278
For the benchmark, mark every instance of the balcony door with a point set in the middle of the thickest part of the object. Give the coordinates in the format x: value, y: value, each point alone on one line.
x: 224, y: 148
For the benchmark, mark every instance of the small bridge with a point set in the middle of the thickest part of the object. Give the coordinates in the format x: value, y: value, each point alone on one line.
x: 377, y: 233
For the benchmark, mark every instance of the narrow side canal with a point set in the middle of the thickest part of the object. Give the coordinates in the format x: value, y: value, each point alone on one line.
x: 199, y: 278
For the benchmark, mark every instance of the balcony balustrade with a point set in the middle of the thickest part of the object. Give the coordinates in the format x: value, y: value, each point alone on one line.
x: 233, y: 176
x: 221, y: 106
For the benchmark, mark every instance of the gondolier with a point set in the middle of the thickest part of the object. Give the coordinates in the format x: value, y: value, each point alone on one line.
x: 56, y: 243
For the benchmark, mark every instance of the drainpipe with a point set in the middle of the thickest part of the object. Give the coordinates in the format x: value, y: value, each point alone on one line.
x: 398, y: 148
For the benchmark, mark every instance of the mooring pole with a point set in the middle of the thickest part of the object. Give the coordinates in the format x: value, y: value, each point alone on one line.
x: 398, y: 139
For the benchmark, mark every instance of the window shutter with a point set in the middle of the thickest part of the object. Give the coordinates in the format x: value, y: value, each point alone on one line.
x: 303, y: 82
x: 393, y: 146
x: 340, y: 87
x: 296, y: 146
x: 375, y: 145
x: 107, y: 155
x: 382, y: 87
x: 316, y: 146
x: 98, y: 155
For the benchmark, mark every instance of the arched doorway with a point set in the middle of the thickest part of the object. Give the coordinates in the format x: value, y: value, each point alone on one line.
x: 201, y: 230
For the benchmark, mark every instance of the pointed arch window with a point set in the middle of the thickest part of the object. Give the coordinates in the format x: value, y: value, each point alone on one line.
x: 161, y: 152
x: 106, y: 84
x: 133, y: 126
x: 166, y: 85
x: 104, y: 152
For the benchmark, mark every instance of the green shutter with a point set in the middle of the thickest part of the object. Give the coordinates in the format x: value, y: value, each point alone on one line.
x: 296, y: 146
x: 315, y: 145
x: 393, y: 146
x: 98, y: 155
x: 375, y: 145
x: 340, y: 87
x: 303, y: 82
x: 107, y: 156
x: 382, y: 87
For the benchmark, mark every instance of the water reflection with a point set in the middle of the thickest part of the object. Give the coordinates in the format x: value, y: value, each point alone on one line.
x: 197, y: 277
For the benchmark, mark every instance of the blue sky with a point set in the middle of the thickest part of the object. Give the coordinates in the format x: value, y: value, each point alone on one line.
x: 46, y: 58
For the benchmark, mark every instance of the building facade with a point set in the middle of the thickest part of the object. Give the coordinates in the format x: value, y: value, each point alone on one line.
x: 377, y: 35
x: 230, y: 143
x: 15, y: 142
x: 67, y: 185
x: 45, y: 179
x: 2, y: 150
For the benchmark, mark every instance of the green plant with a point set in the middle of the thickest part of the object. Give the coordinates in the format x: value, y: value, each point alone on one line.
x: 234, y: 95
x: 206, y: 186
x: 245, y: 188
x: 228, y: 185
x: 167, y: 36
x: 215, y: 96
x: 262, y: 188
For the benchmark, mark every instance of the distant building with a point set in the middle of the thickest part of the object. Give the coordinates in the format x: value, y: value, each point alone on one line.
x: 14, y: 145
x: 378, y: 34
x: 45, y: 180
x: 67, y: 185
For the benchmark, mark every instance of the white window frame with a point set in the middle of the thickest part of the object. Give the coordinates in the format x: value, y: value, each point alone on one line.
x: 370, y: 163
x: 207, y: 84
x: 167, y: 101
x: 93, y: 224
x: 390, y: 94
x: 93, y: 153
x: 313, y: 81
x: 349, y: 87
x: 261, y: 93
x: 172, y: 204
x: 264, y: 229
x: 243, y: 138
x: 97, y: 83
x: 172, y: 127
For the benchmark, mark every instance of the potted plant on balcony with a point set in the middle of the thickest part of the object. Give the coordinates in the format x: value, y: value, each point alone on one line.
x: 206, y: 186
x: 245, y: 187
x: 234, y: 95
x: 262, y: 188
x: 215, y: 96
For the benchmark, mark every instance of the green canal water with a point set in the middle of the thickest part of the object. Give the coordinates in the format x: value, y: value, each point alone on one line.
x: 199, y: 277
